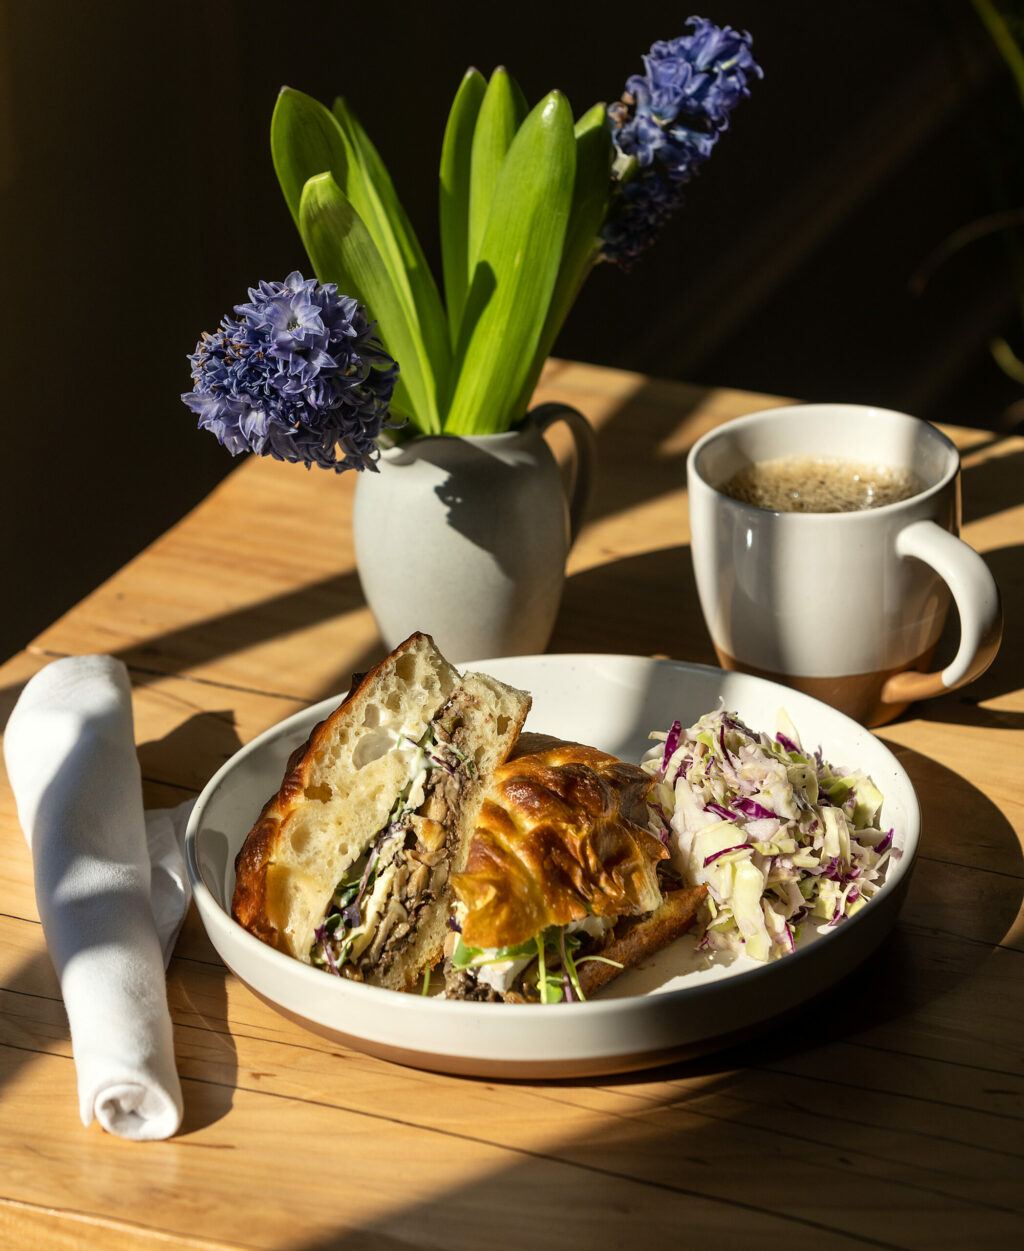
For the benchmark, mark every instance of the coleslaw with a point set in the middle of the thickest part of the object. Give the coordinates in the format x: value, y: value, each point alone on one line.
x: 781, y: 838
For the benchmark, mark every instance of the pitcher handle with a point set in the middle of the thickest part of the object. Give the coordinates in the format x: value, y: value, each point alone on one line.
x: 584, y: 462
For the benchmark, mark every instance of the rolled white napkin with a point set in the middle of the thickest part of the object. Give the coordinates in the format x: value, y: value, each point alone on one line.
x: 110, y: 887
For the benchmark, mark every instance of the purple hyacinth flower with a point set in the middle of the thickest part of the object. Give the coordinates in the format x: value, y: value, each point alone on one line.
x: 666, y: 126
x: 298, y: 374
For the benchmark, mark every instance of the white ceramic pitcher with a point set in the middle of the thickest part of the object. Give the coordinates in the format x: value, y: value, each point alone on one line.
x: 466, y: 538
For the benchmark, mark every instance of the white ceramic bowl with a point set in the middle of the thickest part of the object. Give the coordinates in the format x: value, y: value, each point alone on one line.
x: 670, y: 1008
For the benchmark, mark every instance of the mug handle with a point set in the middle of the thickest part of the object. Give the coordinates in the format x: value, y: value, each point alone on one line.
x: 977, y: 601
x: 585, y: 460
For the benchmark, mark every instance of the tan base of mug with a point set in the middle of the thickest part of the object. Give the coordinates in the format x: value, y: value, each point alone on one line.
x: 873, y: 699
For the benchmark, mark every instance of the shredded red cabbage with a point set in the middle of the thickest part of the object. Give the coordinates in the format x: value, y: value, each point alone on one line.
x: 751, y: 808
x: 351, y: 914
x: 671, y: 743
x: 834, y: 872
x: 323, y: 938
x: 787, y: 743
x: 720, y: 811
x: 724, y: 852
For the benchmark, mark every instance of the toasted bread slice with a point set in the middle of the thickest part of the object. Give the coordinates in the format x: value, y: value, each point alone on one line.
x: 634, y: 939
x: 342, y: 789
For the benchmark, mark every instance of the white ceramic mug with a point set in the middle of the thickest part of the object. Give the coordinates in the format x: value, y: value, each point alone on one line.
x: 845, y: 606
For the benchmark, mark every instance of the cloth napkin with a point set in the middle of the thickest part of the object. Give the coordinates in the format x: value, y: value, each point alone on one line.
x: 110, y: 887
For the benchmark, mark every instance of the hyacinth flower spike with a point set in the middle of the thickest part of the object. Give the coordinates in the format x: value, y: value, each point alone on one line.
x: 297, y: 374
x: 666, y: 126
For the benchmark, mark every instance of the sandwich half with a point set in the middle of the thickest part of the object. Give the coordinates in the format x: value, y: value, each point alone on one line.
x: 348, y: 866
x: 564, y: 885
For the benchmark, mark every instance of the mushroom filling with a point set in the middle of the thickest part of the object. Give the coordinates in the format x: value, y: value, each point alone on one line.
x: 374, y: 911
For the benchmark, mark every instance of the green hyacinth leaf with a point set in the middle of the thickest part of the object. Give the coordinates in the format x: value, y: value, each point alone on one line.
x: 456, y: 159
x: 305, y: 140
x: 501, y: 114
x: 514, y: 279
x: 591, y: 189
x: 372, y: 193
x: 343, y: 251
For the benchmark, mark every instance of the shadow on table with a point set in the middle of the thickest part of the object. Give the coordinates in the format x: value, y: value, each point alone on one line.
x: 994, y: 485
x: 203, y: 1039
x: 610, y: 608
x: 176, y: 651
x: 196, y: 978
x: 655, y: 424
x: 192, y: 751
x: 244, y: 628
x: 741, y: 1141
x: 35, y: 1005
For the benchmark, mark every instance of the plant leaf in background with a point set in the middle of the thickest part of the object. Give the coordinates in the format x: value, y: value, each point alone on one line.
x: 1006, y: 33
x: 580, y: 252
x: 308, y: 140
x: 453, y: 206
x: 519, y: 261
x: 501, y: 114
x: 342, y: 251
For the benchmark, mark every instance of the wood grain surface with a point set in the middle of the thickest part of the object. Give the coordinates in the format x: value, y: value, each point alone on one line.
x: 888, y: 1113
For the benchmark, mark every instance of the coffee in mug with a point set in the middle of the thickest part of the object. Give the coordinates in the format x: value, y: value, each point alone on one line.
x: 846, y: 605
x: 814, y: 484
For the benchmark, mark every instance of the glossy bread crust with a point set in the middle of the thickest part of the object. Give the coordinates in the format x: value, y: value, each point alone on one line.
x: 255, y: 904
x: 561, y: 835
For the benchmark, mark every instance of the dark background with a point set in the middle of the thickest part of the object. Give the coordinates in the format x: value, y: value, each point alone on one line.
x: 139, y: 203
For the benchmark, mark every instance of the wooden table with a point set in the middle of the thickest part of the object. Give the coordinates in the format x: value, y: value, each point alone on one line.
x: 888, y: 1114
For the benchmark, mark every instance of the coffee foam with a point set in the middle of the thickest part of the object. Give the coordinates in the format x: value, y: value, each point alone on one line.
x: 810, y: 484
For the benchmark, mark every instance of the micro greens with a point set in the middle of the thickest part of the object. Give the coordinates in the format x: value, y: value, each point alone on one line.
x: 552, y: 982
